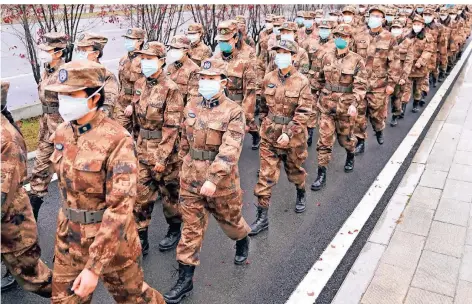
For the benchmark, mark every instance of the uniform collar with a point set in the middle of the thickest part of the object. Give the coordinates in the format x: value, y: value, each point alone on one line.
x: 373, y: 34
x: 132, y: 55
x: 96, y: 120
x: 286, y: 76
x: 214, y: 102
x: 179, y: 64
x: 153, y: 81
x: 323, y: 41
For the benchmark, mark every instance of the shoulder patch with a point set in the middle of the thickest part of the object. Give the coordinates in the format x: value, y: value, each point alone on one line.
x: 271, y: 85
x: 62, y: 75
x: 191, y: 115
x: 59, y: 147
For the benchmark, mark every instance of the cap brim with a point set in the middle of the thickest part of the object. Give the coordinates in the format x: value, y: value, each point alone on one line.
x: 276, y: 47
x: 63, y: 88
x: 193, y: 32
x: 45, y: 47
x: 211, y: 73
x: 83, y: 44
x: 177, y: 46
x: 130, y: 37
x: 224, y: 37
x: 145, y: 52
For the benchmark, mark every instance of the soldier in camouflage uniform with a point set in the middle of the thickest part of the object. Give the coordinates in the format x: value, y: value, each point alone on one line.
x: 212, y: 140
x: 128, y: 72
x: 89, y: 46
x: 242, y: 84
x: 390, y: 14
x: 451, y: 30
x: 439, y: 56
x: 158, y: 106
x: 308, y: 31
x: 95, y: 160
x: 53, y: 52
x: 316, y: 51
x: 423, y: 48
x: 350, y: 17
x: 19, y: 243
x: 376, y: 46
x: 300, y: 18
x: 198, y: 49
x: 342, y: 80
x: 285, y: 108
x: 180, y: 68
x: 242, y: 27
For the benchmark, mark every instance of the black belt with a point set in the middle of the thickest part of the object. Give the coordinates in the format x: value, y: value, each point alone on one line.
x: 83, y: 216
x: 50, y: 109
x: 203, y: 154
x: 129, y: 91
x: 338, y: 88
x: 150, y: 134
x: 281, y: 120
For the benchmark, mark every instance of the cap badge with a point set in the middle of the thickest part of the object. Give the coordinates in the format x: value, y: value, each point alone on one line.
x: 146, y: 46
x: 224, y: 31
x: 207, y: 65
x: 59, y: 147
x: 174, y: 40
x: 81, y: 37
x: 62, y: 75
x: 283, y: 42
x: 129, y: 32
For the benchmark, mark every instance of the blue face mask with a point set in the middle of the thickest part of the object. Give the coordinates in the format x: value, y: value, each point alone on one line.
x: 308, y: 23
x: 324, y: 33
x: 340, y: 43
x: 299, y: 20
x: 130, y: 45
x: 389, y: 18
x: 420, y: 10
x: 283, y: 60
x: 375, y: 22
x: 149, y: 67
x: 276, y: 31
x: 225, y: 47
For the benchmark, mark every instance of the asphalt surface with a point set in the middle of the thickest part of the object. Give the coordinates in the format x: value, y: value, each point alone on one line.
x: 280, y: 257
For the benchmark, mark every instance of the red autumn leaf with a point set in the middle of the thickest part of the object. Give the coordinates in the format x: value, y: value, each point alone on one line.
x: 22, y: 56
x: 356, y: 230
x: 310, y: 293
x: 350, y: 232
x: 333, y: 246
x: 320, y: 259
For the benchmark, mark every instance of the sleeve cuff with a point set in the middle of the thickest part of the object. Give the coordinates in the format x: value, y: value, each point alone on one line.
x: 215, y: 179
x: 95, y: 266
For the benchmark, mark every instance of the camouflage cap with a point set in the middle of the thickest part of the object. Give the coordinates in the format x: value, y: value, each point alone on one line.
x: 343, y: 29
x: 153, y: 48
x: 349, y: 8
x: 418, y: 18
x: 5, y: 87
x: 226, y: 30
x: 214, y: 67
x: 135, y: 33
x: 180, y: 42
x: 377, y: 8
x: 195, y: 28
x: 408, y: 6
x: 278, y: 20
x: 78, y: 75
x: 92, y: 39
x: 444, y: 10
x: 453, y: 10
x: 309, y: 15
x: 397, y: 23
x: 240, y: 19
x: 429, y: 11
x: 287, y: 45
x: 53, y: 40
x: 269, y: 17
x: 319, y: 12
x: 391, y: 11
x: 289, y: 26
x: 325, y: 24
x: 300, y: 14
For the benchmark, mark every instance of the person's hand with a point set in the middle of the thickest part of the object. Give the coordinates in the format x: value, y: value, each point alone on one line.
x: 401, y: 82
x: 283, y: 140
x: 418, y: 64
x: 208, y: 189
x: 85, y: 283
x: 246, y: 128
x: 159, y: 168
x: 389, y: 90
x: 352, y: 111
x: 129, y: 111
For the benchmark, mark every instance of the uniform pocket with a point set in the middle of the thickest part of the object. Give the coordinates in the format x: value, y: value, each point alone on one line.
x: 347, y: 77
x: 89, y: 176
x: 270, y: 96
x: 215, y: 133
x: 155, y: 112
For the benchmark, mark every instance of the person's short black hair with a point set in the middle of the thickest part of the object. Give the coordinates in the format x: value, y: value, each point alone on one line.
x: 64, y: 51
x: 101, y: 101
x: 100, y: 54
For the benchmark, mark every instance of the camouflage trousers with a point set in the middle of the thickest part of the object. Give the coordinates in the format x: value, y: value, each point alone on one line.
x: 119, y: 115
x: 42, y: 169
x: 331, y: 126
x: 270, y: 159
x: 253, y: 127
x: 417, y: 85
x: 313, y: 118
x: 29, y: 270
x: 400, y: 96
x: 373, y: 107
x: 125, y: 285
x: 195, y: 210
x: 149, y: 185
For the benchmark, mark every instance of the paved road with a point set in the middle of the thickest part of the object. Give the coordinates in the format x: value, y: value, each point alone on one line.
x: 278, y: 258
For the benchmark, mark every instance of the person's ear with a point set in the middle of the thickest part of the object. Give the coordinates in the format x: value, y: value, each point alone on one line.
x: 224, y: 83
x: 92, y: 102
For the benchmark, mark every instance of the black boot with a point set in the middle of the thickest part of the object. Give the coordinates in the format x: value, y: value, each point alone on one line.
x: 360, y: 147
x: 422, y: 101
x: 262, y: 221
x: 242, y: 251
x: 300, y: 205
x: 442, y: 76
x: 172, y: 237
x: 8, y: 281
x: 403, y: 111
x: 394, y: 121
x: 320, y: 181
x: 256, y: 140
x: 310, y: 136
x: 435, y: 81
x: 36, y: 203
x: 415, y: 106
x: 349, y: 165
x: 143, y: 237
x: 184, y: 286
x: 380, y: 137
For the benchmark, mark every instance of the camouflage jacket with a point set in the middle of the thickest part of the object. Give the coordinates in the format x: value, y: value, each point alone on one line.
x: 111, y: 93
x: 440, y: 42
x: 97, y: 169
x: 19, y: 229
x: 423, y: 48
x: 219, y: 128
x: 345, y: 71
x: 300, y: 61
x: 158, y: 107
x: 184, y: 74
x: 405, y: 53
x: 48, y: 122
x: 287, y: 96
x: 377, y: 49
x: 317, y: 50
x: 199, y: 52
x: 303, y: 35
x: 243, y: 83
x: 128, y: 72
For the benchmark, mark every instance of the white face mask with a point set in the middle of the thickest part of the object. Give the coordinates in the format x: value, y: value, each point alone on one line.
x: 397, y: 32
x: 318, y: 20
x: 443, y: 17
x: 45, y: 57
x: 333, y: 18
x: 269, y: 26
x: 417, y: 28
x: 209, y: 88
x: 453, y: 16
x: 409, y: 11
x: 174, y: 55
x: 347, y: 19
x: 428, y: 19
x: 193, y: 37
x: 283, y: 60
x: 73, y: 108
x: 287, y: 37
x: 80, y: 55
x: 361, y: 10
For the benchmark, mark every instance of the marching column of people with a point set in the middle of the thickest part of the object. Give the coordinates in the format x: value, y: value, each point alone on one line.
x: 172, y: 126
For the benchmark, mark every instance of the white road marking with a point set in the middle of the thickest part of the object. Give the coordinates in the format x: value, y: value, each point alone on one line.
x: 315, y: 280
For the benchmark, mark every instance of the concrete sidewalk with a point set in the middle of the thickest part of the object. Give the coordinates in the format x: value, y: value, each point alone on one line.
x: 421, y: 248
